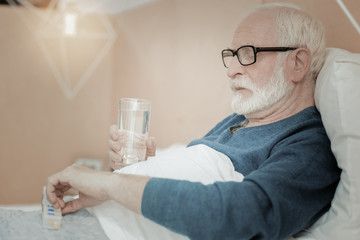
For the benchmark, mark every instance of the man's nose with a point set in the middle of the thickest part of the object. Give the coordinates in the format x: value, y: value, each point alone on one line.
x: 235, y: 68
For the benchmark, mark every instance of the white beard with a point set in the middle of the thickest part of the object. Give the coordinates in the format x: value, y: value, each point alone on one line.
x: 261, y: 98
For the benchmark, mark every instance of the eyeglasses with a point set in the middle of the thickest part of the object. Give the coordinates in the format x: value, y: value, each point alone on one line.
x: 247, y: 54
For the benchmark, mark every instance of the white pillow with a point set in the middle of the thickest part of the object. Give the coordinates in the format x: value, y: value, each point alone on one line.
x: 337, y: 96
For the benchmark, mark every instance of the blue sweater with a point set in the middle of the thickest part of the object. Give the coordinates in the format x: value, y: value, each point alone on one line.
x: 290, y: 178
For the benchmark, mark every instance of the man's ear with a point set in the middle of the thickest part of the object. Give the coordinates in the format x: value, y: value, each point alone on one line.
x: 300, y: 60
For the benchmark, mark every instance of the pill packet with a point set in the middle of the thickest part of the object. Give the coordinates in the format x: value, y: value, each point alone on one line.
x: 51, y: 217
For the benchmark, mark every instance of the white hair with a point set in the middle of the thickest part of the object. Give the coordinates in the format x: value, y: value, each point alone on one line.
x: 297, y: 28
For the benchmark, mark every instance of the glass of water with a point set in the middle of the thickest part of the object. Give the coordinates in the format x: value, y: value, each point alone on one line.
x: 133, y: 125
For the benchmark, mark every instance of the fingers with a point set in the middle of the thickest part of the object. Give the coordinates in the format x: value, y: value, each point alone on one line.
x: 150, y: 147
x: 72, y: 206
x: 84, y: 180
x: 81, y: 202
x: 114, y: 132
x: 118, y: 140
x: 50, y: 193
x: 58, y: 184
x: 115, y: 160
x: 114, y: 146
x: 55, y: 191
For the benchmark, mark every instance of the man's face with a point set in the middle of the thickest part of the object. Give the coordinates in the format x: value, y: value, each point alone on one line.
x: 258, y: 86
x: 261, y: 97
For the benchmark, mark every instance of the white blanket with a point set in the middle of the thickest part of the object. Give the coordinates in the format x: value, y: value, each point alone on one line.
x: 197, y: 164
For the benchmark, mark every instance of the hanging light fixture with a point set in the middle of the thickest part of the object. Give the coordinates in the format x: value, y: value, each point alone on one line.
x: 70, y: 20
x: 63, y: 31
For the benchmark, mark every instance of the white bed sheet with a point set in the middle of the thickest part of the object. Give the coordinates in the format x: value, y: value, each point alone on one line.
x: 198, y: 163
x: 23, y: 207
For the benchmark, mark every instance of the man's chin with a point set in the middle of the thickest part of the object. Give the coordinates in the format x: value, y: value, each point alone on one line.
x: 239, y: 102
x: 240, y: 109
x: 245, y: 106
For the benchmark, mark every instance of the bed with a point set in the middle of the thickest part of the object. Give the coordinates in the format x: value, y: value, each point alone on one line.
x: 337, y: 95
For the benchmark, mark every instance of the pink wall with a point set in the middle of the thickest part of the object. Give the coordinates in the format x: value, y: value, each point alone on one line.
x: 167, y: 52
x: 41, y: 131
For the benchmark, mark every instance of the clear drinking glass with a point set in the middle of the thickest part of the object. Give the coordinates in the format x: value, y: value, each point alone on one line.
x: 133, y: 125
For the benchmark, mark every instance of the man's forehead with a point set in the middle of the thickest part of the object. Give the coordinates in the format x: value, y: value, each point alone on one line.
x: 256, y: 29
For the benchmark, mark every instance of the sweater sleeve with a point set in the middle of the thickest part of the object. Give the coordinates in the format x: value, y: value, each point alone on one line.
x: 288, y: 192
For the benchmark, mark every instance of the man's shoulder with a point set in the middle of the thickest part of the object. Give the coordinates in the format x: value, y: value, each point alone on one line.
x: 304, y: 129
x: 307, y: 119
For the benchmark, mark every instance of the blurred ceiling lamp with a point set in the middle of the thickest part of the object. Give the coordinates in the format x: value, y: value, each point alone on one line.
x: 70, y: 19
x: 73, y: 42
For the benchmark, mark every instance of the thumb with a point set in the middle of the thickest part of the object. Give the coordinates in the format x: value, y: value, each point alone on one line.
x: 72, y: 206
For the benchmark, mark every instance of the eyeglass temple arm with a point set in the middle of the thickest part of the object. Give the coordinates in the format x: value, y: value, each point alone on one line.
x: 273, y: 49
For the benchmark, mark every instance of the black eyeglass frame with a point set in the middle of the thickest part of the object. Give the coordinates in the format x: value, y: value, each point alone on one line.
x: 256, y: 50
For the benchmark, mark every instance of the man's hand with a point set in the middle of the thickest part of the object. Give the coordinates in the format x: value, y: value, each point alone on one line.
x: 92, y: 186
x: 95, y: 187
x: 116, y: 142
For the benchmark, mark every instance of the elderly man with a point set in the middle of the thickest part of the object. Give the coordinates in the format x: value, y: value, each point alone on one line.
x: 275, y: 139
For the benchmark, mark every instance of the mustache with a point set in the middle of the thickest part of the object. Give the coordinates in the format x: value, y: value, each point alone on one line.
x: 241, y: 82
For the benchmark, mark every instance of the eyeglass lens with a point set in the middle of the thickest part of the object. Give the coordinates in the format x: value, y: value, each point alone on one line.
x: 245, y: 55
